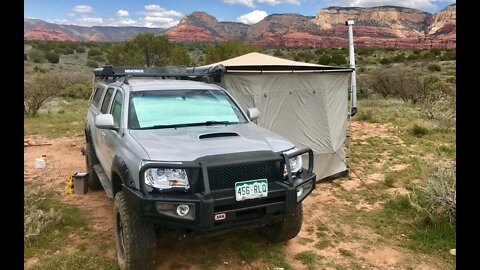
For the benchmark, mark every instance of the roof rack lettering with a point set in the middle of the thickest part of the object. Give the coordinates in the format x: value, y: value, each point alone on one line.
x: 206, y: 74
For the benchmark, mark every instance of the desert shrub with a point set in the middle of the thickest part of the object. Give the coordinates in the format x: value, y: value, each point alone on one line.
x: 418, y: 131
x: 42, y: 88
x: 69, y: 51
x: 452, y: 80
x: 36, y: 56
x: 98, y: 58
x: 319, y: 51
x: 385, y: 61
x: 278, y: 53
x: 397, y: 82
x: 38, y: 69
x: 338, y: 59
x: 365, y: 51
x: 37, y: 220
x: 412, y: 57
x: 434, y: 67
x: 449, y: 55
x: 436, y: 51
x: 417, y: 51
x: 438, y: 101
x: 438, y: 198
x: 59, y: 50
x: 365, y: 115
x: 364, y: 86
x: 52, y: 57
x: 428, y: 55
x: 25, y: 57
x: 92, y: 64
x: 308, y: 56
x: 324, y: 59
x: 45, y: 46
x: 79, y: 90
x: 399, y: 58
x: 93, y: 52
x: 80, y: 49
x: 296, y: 57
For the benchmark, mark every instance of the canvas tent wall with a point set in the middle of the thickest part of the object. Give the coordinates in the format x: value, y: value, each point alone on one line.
x: 303, y: 102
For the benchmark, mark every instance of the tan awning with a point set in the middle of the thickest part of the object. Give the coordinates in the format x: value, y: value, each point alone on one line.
x: 260, y: 61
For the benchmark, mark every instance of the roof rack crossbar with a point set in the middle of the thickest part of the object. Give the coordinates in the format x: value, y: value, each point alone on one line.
x: 209, y: 75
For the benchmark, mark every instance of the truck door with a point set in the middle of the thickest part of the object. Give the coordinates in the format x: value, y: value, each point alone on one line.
x: 101, y: 133
x: 112, y: 136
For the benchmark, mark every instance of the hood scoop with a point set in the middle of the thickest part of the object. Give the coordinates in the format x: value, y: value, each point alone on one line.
x: 218, y: 135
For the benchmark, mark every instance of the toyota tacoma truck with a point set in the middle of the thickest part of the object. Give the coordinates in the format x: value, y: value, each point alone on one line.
x: 174, y: 150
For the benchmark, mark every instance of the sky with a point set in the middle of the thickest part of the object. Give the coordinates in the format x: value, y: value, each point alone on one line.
x: 165, y: 14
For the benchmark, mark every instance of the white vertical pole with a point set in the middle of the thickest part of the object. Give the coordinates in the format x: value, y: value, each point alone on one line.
x: 353, y: 97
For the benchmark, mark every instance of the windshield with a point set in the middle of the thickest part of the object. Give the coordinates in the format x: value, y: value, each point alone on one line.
x: 180, y: 108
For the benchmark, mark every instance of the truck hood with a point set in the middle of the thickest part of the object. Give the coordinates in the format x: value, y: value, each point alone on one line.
x: 190, y: 143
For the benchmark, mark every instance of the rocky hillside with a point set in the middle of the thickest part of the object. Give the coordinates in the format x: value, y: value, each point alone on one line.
x: 40, y: 30
x: 201, y: 26
x: 385, y: 26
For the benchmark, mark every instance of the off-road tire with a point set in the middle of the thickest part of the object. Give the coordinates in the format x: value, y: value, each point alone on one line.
x: 137, y: 249
x: 90, y: 159
x: 285, y: 229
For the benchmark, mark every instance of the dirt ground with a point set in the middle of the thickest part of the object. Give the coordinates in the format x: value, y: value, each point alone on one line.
x: 349, y: 245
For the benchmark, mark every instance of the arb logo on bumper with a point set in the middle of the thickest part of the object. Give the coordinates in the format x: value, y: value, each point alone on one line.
x: 220, y: 216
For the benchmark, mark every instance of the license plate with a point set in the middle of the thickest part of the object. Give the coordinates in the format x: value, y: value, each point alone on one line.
x: 251, y: 189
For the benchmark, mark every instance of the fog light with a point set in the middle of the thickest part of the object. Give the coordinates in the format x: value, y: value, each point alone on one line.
x: 303, y: 190
x: 183, y: 209
x: 299, y: 191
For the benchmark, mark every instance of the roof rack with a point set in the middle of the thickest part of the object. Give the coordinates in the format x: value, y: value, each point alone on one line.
x: 207, y: 74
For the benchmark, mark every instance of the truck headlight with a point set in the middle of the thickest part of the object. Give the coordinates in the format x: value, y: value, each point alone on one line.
x: 166, y: 178
x: 295, y: 162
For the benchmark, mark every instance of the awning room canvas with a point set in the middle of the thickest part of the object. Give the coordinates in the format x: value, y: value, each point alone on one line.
x: 303, y: 102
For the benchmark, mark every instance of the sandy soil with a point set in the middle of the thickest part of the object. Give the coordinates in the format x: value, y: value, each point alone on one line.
x: 365, y: 248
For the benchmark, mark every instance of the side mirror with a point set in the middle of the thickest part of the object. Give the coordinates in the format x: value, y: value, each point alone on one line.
x: 104, y: 121
x: 253, y: 113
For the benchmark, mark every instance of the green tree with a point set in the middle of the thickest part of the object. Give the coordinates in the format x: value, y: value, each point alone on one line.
x: 52, y: 57
x: 43, y: 87
x: 228, y: 49
x: 338, y: 59
x: 148, y: 50
x: 324, y: 59
x: 92, y: 52
x: 36, y: 56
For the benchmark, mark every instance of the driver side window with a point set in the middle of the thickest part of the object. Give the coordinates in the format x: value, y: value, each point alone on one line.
x: 116, y: 110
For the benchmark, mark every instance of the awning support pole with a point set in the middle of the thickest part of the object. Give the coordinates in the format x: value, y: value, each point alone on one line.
x: 353, y: 97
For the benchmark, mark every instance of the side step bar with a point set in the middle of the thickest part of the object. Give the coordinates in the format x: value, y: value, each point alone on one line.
x: 107, y: 185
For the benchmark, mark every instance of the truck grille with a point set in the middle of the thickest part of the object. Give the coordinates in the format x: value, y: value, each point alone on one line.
x: 224, y: 177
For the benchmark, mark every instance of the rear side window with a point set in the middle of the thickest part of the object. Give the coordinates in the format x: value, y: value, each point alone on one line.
x: 106, y: 100
x: 97, y: 96
x: 116, y: 110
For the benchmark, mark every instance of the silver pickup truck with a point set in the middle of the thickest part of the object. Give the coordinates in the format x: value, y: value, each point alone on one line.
x: 174, y: 152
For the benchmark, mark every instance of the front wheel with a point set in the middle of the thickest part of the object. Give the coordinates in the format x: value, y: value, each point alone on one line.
x: 285, y: 229
x: 135, y: 237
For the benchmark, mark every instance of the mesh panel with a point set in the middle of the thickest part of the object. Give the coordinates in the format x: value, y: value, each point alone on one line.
x: 225, y: 177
